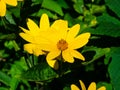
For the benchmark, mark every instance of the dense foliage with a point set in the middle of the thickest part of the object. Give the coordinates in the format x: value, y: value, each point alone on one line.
x: 20, y: 70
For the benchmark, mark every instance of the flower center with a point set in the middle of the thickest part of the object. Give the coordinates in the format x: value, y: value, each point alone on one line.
x: 62, y: 45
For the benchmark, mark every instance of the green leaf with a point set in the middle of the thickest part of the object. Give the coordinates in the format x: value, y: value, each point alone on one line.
x: 53, y: 6
x: 41, y: 11
x: 3, y: 54
x: 114, y: 6
x: 97, y: 9
x: 69, y: 19
x: 40, y: 72
x: 14, y: 83
x: 114, y: 68
x: 107, y: 25
x: 15, y: 45
x: 34, y: 2
x: 15, y: 11
x: 3, y: 88
x: 17, y: 68
x: 108, y: 18
x: 8, y: 44
x: 99, y: 52
x: 108, y: 86
x: 4, y: 78
x: 63, y: 4
x: 9, y: 18
x: 78, y: 6
x: 66, y: 88
x: 7, y: 36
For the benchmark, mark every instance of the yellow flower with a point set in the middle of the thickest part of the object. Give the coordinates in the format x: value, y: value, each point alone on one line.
x: 63, y: 42
x: 92, y: 86
x: 33, y: 35
x: 3, y: 5
x: 57, y: 40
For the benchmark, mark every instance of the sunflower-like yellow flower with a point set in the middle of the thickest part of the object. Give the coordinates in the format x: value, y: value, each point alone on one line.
x: 63, y: 42
x: 57, y: 40
x: 33, y: 35
x: 3, y: 5
x: 92, y: 86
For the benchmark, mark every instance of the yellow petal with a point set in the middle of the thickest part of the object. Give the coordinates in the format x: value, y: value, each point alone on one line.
x: 44, y: 22
x: 38, y: 51
x: 2, y: 8
x: 80, y: 41
x: 76, y: 54
x: 33, y: 49
x: 33, y: 26
x: 27, y: 37
x: 53, y: 63
x: 33, y: 39
x: 82, y: 85
x: 74, y: 87
x: 53, y: 54
x: 67, y: 56
x: 92, y: 86
x: 62, y: 27
x: 24, y: 30
x: 47, y: 46
x: 72, y: 32
x: 51, y: 35
x: 102, y: 88
x: 11, y: 2
x: 29, y: 48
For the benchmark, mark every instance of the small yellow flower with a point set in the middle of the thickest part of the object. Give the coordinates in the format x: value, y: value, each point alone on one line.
x: 92, y: 86
x: 3, y: 5
x: 63, y: 42
x: 33, y: 35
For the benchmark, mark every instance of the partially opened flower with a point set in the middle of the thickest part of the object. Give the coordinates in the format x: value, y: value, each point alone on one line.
x: 92, y: 86
x: 33, y: 35
x: 3, y: 5
x: 63, y: 42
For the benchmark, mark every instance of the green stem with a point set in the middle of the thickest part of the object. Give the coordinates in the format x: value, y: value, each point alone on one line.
x: 43, y: 85
x: 3, y: 21
x: 27, y: 63
x: 60, y: 66
x: 37, y: 85
x: 29, y: 60
x: 32, y: 60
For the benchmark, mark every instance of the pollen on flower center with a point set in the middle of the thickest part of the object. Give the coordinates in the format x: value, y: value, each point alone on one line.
x: 62, y: 45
